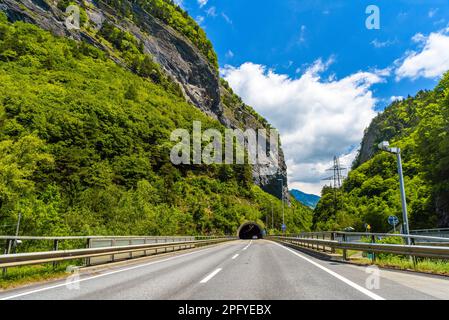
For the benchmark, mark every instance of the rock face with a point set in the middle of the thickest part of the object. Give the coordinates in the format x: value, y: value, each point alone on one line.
x: 179, y: 58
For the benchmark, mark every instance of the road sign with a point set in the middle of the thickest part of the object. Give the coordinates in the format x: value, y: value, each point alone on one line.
x: 284, y: 227
x: 393, y: 220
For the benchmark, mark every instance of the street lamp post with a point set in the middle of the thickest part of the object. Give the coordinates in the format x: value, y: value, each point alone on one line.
x: 385, y: 146
x: 282, y: 193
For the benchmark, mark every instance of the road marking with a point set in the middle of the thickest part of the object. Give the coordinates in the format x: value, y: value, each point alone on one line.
x: 100, y: 275
x: 363, y: 290
x: 235, y: 256
x: 247, y: 245
x: 213, y: 274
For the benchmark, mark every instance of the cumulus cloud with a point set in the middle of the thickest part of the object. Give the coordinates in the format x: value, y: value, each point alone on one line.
x: 317, y: 118
x: 430, y: 62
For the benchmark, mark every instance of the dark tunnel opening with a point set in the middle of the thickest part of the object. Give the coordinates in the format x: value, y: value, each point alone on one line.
x: 250, y: 230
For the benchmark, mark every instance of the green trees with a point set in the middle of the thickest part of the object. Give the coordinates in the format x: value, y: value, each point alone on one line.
x: 85, y: 145
x: 420, y: 127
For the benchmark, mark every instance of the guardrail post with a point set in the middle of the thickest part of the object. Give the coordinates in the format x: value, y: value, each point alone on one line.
x: 88, y: 245
x: 112, y: 245
x: 332, y: 238
x: 7, y: 251
x: 345, y: 252
x: 373, y: 255
x: 55, y: 248
x: 413, y: 258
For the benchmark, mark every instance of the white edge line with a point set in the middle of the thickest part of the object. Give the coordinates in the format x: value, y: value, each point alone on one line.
x: 247, y: 245
x: 99, y: 276
x: 363, y: 290
x: 235, y: 256
x: 210, y: 276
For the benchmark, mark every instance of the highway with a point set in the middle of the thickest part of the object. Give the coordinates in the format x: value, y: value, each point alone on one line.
x: 242, y: 269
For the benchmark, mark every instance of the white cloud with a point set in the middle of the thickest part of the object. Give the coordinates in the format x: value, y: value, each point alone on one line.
x: 302, y: 35
x: 202, y: 3
x: 396, y: 98
x: 382, y: 44
x: 226, y: 18
x: 211, y: 12
x: 179, y: 3
x: 199, y: 19
x: 432, y: 12
x: 430, y: 62
x: 317, y: 118
x: 229, y: 54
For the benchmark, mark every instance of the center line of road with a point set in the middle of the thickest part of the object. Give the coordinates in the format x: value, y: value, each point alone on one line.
x: 235, y: 256
x: 213, y: 274
x: 247, y: 245
x: 367, y: 292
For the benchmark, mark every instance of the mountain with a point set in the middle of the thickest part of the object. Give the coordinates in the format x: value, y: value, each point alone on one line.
x: 309, y: 200
x: 173, y: 40
x: 86, y: 117
x: 418, y: 125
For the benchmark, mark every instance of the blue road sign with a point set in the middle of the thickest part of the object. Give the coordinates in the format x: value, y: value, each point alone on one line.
x: 284, y: 227
x: 393, y: 220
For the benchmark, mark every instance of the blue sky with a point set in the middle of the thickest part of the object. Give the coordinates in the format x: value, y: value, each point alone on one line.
x: 318, y: 57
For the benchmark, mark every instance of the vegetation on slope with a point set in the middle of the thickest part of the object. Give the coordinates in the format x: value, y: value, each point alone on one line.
x: 174, y: 16
x: 84, y: 149
x: 420, y: 127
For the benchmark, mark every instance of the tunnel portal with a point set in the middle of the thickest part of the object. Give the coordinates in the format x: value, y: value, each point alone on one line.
x: 250, y: 230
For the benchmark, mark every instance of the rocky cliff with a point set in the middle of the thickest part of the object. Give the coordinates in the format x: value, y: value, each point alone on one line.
x: 181, y: 60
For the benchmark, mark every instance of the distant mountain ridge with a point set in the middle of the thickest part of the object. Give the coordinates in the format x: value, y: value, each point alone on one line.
x: 306, y: 199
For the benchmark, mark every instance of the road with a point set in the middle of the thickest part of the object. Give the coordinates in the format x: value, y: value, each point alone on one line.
x: 255, y: 270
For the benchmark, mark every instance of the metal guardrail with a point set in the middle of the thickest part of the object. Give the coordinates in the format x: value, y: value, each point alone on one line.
x: 440, y: 251
x: 359, y: 235
x: 21, y: 259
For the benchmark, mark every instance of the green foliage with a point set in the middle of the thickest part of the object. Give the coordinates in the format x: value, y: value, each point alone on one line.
x: 420, y: 127
x: 85, y: 144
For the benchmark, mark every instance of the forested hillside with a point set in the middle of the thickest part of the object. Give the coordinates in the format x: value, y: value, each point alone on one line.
x: 84, y: 146
x: 420, y: 127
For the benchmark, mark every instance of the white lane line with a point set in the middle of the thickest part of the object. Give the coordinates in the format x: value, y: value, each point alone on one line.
x: 336, y: 275
x: 247, y: 245
x: 100, y: 275
x: 235, y: 256
x: 210, y: 276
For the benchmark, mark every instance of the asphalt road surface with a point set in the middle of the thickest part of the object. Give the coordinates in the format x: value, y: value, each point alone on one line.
x: 256, y: 270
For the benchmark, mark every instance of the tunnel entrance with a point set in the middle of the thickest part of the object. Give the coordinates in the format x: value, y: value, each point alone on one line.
x: 250, y: 230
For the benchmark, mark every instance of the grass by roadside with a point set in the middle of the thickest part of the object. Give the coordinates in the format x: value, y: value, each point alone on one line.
x: 432, y: 266
x: 19, y: 276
